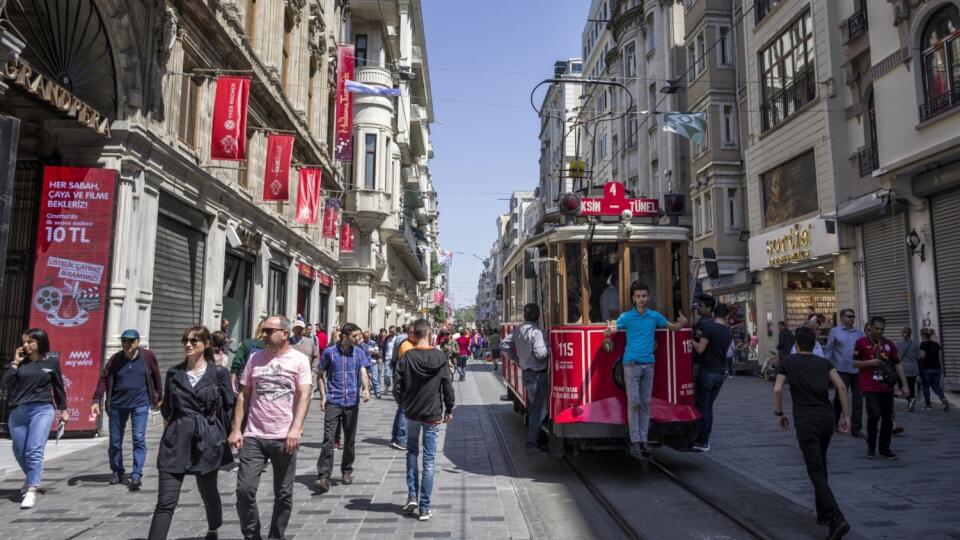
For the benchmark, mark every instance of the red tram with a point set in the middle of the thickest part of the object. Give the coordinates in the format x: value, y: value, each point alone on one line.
x: 577, y: 266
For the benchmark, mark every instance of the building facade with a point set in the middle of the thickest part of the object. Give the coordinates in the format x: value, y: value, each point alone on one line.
x: 194, y: 241
x: 559, y: 134
x: 390, y: 195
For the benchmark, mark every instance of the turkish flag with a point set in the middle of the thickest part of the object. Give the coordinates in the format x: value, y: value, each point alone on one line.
x: 346, y: 236
x: 331, y: 214
x: 308, y: 196
x: 229, y: 140
x: 276, y: 178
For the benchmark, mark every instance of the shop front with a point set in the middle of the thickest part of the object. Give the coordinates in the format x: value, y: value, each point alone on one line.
x: 797, y: 270
x: 737, y: 292
x: 324, y: 285
x: 305, y: 282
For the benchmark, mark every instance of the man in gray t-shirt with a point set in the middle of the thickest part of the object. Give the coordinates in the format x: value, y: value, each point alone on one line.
x: 532, y: 353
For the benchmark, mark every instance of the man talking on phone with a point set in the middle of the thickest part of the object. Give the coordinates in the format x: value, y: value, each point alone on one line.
x: 424, y: 391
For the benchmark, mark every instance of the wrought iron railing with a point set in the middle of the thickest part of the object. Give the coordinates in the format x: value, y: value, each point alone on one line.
x: 857, y: 24
x: 785, y: 103
x: 869, y: 160
x: 940, y: 104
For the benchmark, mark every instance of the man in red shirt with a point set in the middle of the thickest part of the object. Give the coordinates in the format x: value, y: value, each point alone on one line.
x: 464, y: 343
x: 868, y: 354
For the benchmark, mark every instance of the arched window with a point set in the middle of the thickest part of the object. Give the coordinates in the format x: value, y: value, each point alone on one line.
x: 941, y: 61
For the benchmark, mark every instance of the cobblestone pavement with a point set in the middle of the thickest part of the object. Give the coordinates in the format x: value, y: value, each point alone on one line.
x: 474, y: 495
x: 913, y: 497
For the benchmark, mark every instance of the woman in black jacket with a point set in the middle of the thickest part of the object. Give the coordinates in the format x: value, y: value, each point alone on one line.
x: 196, y: 400
x: 33, y: 384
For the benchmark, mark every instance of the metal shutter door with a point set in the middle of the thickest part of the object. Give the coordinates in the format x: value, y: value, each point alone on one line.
x: 177, y: 289
x: 946, y: 243
x: 885, y: 268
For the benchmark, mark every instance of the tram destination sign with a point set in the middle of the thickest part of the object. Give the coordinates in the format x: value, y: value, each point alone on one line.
x: 615, y: 201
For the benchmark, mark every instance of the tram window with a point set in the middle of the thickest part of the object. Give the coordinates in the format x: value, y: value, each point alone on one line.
x: 604, y: 276
x: 572, y: 263
x: 677, y: 278
x: 643, y: 268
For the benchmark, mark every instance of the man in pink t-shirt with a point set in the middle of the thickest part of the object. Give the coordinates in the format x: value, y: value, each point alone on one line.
x: 275, y: 391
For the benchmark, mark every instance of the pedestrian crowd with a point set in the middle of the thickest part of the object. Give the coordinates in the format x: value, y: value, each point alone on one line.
x: 248, y: 413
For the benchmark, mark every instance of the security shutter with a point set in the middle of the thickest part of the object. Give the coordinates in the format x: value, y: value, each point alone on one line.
x: 885, y: 268
x: 177, y: 288
x: 946, y: 250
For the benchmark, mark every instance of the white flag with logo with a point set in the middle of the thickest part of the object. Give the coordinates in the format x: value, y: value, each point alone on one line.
x: 690, y: 125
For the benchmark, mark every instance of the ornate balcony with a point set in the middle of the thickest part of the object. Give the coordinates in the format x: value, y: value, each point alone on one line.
x: 375, y: 76
x: 869, y: 161
x: 368, y: 207
x: 857, y: 24
x: 940, y: 104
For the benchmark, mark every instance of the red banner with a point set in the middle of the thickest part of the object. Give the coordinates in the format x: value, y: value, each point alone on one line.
x: 229, y: 140
x: 343, y: 133
x: 306, y: 270
x: 276, y: 178
x: 325, y: 279
x: 331, y: 215
x: 346, y: 236
x: 308, y: 196
x: 74, y: 241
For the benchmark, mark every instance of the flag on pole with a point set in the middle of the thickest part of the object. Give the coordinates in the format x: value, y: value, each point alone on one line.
x: 229, y: 138
x: 346, y: 236
x: 343, y: 123
x: 331, y: 216
x: 360, y: 88
x: 308, y: 196
x: 276, y: 177
x: 690, y: 125
x: 446, y: 257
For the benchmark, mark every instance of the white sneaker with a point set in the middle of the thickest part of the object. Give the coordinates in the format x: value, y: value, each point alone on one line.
x: 29, y: 499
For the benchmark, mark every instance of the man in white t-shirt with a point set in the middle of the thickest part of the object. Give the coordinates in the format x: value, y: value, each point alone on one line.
x: 275, y: 390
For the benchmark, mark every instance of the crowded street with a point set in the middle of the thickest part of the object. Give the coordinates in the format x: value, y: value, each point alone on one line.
x: 488, y: 487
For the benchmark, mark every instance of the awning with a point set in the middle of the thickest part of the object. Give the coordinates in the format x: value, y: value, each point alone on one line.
x: 859, y: 209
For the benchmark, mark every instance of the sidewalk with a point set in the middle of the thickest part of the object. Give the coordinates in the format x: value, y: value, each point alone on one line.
x: 914, y: 497
x: 473, y: 496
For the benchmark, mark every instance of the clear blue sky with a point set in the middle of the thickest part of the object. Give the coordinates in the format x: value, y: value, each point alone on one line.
x: 485, y: 58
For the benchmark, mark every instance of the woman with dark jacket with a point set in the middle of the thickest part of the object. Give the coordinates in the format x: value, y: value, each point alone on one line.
x: 33, y: 384
x: 197, y: 398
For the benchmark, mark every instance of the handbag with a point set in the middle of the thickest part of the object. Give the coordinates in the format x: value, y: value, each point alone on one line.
x: 887, y: 370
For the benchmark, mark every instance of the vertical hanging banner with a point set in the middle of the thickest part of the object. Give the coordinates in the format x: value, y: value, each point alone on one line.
x: 74, y: 243
x: 276, y: 178
x: 331, y: 214
x: 346, y: 236
x: 308, y: 196
x: 229, y: 140
x: 343, y: 133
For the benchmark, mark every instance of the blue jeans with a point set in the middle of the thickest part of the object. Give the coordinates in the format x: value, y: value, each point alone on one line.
x: 399, y: 432
x: 375, y: 378
x: 707, y: 390
x: 535, y: 382
x: 639, y: 381
x: 416, y: 487
x: 388, y: 373
x: 930, y: 378
x: 118, y: 424
x: 30, y: 425
x: 462, y: 367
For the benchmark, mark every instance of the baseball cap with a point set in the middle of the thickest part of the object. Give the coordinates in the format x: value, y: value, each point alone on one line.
x: 130, y: 334
x: 299, y: 324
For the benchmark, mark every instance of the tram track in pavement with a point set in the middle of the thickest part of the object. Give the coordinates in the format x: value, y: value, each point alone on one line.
x: 633, y: 531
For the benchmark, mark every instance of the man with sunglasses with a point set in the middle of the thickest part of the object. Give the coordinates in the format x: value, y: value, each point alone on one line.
x: 839, y: 351
x: 132, y: 385
x: 275, y: 392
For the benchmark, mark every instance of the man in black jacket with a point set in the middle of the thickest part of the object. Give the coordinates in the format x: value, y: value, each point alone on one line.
x: 424, y: 391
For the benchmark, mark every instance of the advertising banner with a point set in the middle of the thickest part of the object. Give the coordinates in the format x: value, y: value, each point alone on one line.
x: 343, y: 132
x: 308, y: 196
x: 331, y: 215
x: 567, y: 348
x: 276, y: 177
x: 346, y: 236
x: 229, y: 140
x: 74, y: 242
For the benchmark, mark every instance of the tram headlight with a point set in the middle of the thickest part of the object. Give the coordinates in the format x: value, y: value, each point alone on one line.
x: 626, y: 215
x: 569, y: 204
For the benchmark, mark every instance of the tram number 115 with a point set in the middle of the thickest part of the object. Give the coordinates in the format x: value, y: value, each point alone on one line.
x: 688, y: 346
x: 565, y: 350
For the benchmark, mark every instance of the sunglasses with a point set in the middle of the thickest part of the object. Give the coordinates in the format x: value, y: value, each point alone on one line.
x: 270, y: 331
x: 193, y: 341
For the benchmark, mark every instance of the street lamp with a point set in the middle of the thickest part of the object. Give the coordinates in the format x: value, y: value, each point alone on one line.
x: 372, y: 303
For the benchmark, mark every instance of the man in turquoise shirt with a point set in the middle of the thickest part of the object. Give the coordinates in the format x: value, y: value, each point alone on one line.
x: 641, y: 325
